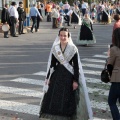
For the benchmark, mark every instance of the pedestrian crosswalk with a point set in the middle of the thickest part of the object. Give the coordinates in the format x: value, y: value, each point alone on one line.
x: 92, y: 69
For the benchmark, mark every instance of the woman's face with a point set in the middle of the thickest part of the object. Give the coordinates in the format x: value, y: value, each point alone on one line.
x: 63, y: 36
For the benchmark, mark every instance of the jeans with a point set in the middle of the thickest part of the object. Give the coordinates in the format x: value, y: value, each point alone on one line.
x: 34, y: 19
x: 83, y: 11
x: 98, y: 17
x: 114, y: 95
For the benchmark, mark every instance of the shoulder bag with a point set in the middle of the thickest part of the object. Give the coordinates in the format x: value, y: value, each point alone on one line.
x: 105, y: 77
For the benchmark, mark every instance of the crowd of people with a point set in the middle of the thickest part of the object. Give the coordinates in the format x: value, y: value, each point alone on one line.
x: 57, y: 13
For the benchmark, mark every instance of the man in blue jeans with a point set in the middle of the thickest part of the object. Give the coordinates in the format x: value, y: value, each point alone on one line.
x: 33, y: 14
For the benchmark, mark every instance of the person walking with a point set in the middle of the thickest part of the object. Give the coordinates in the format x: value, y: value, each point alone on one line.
x: 5, y: 18
x: 68, y: 17
x: 76, y: 18
x: 114, y: 71
x: 22, y: 17
x: 84, y: 7
x: 86, y: 36
x: 33, y: 14
x: 13, y: 18
x: 66, y: 7
x: 66, y: 97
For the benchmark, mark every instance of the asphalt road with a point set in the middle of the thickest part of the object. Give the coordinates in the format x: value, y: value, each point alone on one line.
x: 23, y: 63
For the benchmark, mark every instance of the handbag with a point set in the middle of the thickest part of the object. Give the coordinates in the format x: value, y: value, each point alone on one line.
x: 5, y: 27
x: 105, y: 76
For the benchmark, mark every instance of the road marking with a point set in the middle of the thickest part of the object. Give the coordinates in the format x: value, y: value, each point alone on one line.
x: 22, y: 63
x: 93, y: 80
x: 29, y: 81
x: 101, y: 56
x: 19, y: 107
x: 105, y: 53
x: 98, y: 91
x: 92, y: 65
x: 93, y: 60
x: 42, y: 73
x: 19, y: 91
x: 92, y: 72
x: 100, y: 105
x: 34, y: 109
x: 95, y: 118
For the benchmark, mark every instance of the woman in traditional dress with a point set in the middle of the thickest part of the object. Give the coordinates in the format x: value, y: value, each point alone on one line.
x: 66, y: 97
x: 106, y: 15
x: 85, y: 35
x: 75, y: 18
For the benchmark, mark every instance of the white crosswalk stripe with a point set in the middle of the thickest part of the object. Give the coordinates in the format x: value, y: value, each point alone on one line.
x: 29, y: 81
x: 20, y: 91
x: 92, y: 72
x: 40, y: 73
x: 99, y: 105
x: 19, y: 107
x: 98, y: 91
x: 93, y: 80
x: 93, y: 60
x: 93, y: 65
x: 101, y: 56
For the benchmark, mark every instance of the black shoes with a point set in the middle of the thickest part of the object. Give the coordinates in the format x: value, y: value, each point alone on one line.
x: 21, y: 33
x: 6, y: 37
x: 15, y: 36
x: 31, y: 31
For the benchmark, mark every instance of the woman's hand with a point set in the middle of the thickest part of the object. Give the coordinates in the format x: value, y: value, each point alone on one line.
x: 75, y: 85
x: 47, y: 82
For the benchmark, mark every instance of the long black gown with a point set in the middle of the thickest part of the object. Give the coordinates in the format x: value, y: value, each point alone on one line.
x: 104, y: 17
x: 85, y: 35
x: 60, y: 99
x: 74, y: 18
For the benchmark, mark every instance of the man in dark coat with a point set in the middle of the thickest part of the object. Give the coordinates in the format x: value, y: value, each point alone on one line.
x: 5, y: 18
x: 22, y: 17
